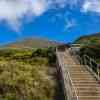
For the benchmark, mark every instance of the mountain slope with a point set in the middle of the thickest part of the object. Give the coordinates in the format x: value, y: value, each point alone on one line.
x: 90, y: 39
x: 90, y: 46
x: 33, y: 43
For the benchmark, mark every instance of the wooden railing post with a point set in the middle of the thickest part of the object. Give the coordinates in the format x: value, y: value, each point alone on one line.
x: 84, y: 60
x: 98, y: 71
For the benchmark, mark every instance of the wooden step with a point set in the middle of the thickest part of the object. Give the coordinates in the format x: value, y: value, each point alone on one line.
x: 82, y: 79
x: 89, y: 98
x: 80, y: 73
x: 87, y: 88
x: 86, y: 85
x: 81, y: 76
x: 69, y: 63
x: 76, y: 66
x: 83, y: 83
x: 88, y: 93
x: 76, y: 69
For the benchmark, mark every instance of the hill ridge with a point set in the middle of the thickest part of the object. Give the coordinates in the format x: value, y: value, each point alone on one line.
x: 33, y: 43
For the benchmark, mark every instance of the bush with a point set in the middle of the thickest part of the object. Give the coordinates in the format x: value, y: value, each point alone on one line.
x: 19, y: 81
x: 51, y: 55
x: 91, y: 50
x: 39, y: 53
x: 24, y: 74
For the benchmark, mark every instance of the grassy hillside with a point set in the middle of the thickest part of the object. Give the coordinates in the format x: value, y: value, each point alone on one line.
x: 32, y: 43
x: 27, y: 74
x: 91, y: 39
x: 90, y: 46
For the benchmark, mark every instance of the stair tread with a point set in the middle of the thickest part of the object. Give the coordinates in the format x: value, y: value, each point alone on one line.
x: 86, y: 86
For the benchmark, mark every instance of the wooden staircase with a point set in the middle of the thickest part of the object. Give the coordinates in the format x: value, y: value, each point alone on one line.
x: 80, y: 82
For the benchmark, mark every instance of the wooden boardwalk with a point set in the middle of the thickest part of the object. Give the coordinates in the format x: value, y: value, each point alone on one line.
x: 79, y: 84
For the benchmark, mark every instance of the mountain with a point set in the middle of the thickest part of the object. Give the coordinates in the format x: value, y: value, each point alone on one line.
x: 89, y: 39
x: 32, y: 43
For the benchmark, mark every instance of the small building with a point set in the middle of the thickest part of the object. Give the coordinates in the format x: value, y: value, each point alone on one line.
x: 75, y: 48
x: 63, y: 47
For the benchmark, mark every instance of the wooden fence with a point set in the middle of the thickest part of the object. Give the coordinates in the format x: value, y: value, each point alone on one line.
x: 89, y: 62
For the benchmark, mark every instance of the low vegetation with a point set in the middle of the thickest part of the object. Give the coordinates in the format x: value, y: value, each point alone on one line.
x: 90, y: 46
x: 89, y: 40
x: 92, y: 51
x: 25, y: 74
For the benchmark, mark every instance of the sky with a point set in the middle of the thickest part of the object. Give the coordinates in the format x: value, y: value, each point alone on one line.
x: 58, y: 20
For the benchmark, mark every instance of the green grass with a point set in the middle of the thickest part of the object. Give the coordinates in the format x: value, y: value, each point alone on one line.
x: 91, y: 50
x: 24, y: 77
x: 98, y: 61
x: 90, y: 39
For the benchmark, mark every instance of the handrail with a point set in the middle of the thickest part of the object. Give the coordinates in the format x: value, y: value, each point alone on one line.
x: 73, y: 86
x: 90, y: 58
x: 90, y: 61
x: 62, y: 65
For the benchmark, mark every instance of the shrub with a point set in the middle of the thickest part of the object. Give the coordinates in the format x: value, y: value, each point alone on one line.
x: 19, y: 80
x: 24, y: 74
x: 51, y: 55
x: 91, y: 50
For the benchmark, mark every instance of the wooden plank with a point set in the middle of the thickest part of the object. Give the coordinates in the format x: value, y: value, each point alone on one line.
x: 84, y: 85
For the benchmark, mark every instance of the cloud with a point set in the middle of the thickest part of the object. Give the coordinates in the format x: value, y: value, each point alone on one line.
x: 70, y: 23
x: 13, y: 11
x: 63, y: 3
x: 91, y: 6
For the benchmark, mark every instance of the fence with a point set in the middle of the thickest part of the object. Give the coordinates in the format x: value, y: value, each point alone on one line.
x: 91, y: 64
